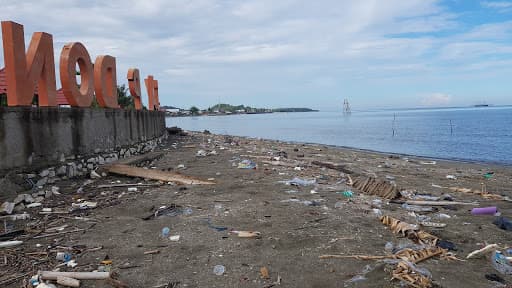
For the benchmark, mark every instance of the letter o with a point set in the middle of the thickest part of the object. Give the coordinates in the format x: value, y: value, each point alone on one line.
x: 82, y: 95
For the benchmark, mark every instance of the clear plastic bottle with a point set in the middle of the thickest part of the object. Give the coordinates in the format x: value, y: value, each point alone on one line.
x: 219, y: 270
x: 500, y: 263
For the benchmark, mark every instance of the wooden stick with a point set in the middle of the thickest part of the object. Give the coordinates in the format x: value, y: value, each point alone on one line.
x: 359, y: 257
x: 128, y: 185
x: 151, y: 252
x: 156, y: 175
x: 439, y: 203
x: 51, y: 275
x: 60, y: 233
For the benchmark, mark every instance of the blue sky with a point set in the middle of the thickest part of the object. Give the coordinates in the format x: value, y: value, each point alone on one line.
x: 267, y: 53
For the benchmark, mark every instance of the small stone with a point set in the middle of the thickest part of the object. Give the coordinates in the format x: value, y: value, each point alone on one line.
x: 39, y: 199
x: 61, y: 171
x: 31, y: 176
x: 33, y: 205
x: 90, y: 166
x: 51, y: 173
x: 94, y: 175
x: 6, y: 208
x: 48, y: 194
x: 91, y: 160
x: 42, y: 181
x: 20, y: 198
x: 97, y: 150
x: 29, y: 199
x: 44, y: 173
x: 19, y: 208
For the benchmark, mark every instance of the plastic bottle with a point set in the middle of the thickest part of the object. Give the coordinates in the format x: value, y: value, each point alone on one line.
x: 165, y: 232
x: 219, y: 270
x: 500, y: 263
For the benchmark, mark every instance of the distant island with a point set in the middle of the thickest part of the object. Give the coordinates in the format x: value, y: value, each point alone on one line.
x: 227, y: 109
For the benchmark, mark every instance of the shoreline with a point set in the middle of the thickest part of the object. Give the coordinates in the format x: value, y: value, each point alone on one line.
x: 454, y: 160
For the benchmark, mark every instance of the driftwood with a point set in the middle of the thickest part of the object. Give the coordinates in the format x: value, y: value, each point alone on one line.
x: 122, y: 169
x: 372, y: 186
x: 333, y: 166
x: 439, y: 203
x: 59, y: 233
x: 128, y: 185
x: 51, y: 275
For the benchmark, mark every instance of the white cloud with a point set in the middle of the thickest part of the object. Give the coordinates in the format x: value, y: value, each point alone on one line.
x: 436, y: 100
x: 502, y: 6
x: 248, y: 48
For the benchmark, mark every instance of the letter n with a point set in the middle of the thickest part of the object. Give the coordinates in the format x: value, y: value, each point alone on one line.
x: 23, y: 72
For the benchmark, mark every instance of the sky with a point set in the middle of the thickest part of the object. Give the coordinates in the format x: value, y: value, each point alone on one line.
x: 293, y: 53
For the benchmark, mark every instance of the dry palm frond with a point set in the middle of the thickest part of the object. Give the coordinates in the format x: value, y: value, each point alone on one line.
x: 397, y: 226
x: 404, y: 273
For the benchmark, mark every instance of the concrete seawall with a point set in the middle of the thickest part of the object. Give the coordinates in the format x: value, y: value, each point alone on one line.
x: 32, y: 138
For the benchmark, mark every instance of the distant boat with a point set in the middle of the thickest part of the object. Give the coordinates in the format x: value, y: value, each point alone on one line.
x: 481, y: 105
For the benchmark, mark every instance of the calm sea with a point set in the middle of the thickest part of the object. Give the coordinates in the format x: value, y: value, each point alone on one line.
x: 470, y: 134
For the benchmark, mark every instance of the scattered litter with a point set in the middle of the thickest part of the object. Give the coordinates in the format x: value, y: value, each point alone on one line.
x: 246, y: 234
x: 84, y: 205
x: 494, y: 277
x: 34, y: 205
x: 218, y: 228
x: 299, y: 182
x: 428, y: 162
x: 201, y: 153
x: 485, y: 211
x: 264, y: 273
x: 503, y: 223
x: 501, y: 263
x: 175, y: 238
x: 7, y: 244
x: 304, y: 202
x: 433, y: 224
x: 7, y: 208
x: 313, y: 192
x: 219, y: 270
x: 132, y: 189
x: 451, y: 177
x: 165, y: 232
x: 361, y: 276
x: 247, y: 164
x: 372, y: 186
x: 488, y: 175
x: 169, y: 211
x: 482, y: 252
x: 94, y: 175
x: 346, y: 193
x: 417, y: 208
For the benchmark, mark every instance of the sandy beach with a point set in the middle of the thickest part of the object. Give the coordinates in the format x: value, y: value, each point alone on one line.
x: 296, y: 224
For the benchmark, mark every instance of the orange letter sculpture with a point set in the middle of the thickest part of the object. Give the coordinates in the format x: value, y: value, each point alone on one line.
x: 82, y: 95
x: 134, y: 85
x: 23, y: 72
x: 105, y: 82
x: 152, y: 88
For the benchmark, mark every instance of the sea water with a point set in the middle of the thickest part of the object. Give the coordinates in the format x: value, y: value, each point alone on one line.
x: 470, y: 134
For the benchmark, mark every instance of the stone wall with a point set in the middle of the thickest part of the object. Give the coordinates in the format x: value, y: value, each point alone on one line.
x: 32, y: 139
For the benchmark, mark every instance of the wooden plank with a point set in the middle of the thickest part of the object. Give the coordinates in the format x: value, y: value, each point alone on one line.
x: 156, y: 175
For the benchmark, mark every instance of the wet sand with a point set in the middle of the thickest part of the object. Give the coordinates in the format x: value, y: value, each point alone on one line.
x: 293, y: 234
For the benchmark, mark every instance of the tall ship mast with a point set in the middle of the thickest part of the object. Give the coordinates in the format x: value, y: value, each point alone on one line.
x: 346, y: 107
